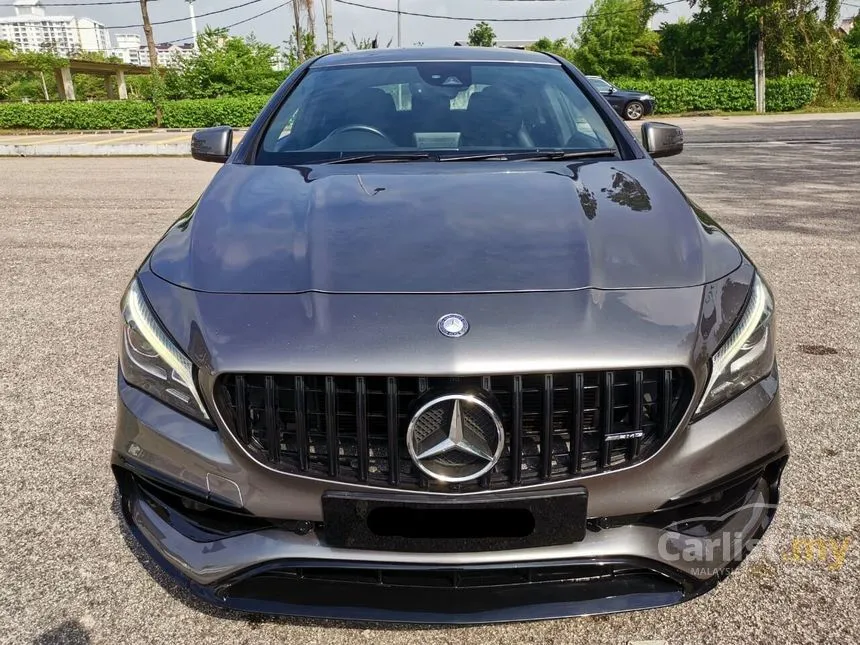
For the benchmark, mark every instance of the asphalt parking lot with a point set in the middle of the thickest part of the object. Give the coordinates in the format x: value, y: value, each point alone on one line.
x: 73, y: 230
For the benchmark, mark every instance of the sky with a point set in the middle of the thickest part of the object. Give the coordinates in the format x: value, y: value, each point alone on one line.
x: 276, y: 26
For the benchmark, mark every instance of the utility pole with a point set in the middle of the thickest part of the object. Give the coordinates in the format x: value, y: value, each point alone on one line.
x: 399, y: 42
x: 147, y: 32
x: 329, y: 27
x: 153, y: 61
x: 193, y: 22
x: 300, y: 45
x: 760, y: 106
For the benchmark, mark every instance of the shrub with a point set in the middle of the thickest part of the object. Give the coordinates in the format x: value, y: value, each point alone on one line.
x: 120, y: 115
x: 237, y: 111
x: 790, y: 93
x: 77, y: 115
x: 675, y: 95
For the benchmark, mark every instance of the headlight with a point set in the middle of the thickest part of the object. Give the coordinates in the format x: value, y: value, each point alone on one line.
x: 151, y: 361
x: 646, y: 97
x: 747, y: 355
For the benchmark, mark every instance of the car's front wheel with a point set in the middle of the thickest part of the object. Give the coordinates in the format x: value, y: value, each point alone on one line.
x: 634, y: 111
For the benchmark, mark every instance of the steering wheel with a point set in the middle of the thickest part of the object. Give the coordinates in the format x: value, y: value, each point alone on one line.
x: 359, y: 128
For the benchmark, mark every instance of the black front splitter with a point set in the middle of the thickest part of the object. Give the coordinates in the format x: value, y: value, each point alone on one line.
x: 468, y: 594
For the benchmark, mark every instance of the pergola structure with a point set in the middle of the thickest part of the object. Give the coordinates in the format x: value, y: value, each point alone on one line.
x: 63, y: 75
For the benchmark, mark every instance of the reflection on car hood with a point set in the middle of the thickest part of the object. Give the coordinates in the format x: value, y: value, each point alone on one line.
x: 426, y: 228
x: 629, y: 94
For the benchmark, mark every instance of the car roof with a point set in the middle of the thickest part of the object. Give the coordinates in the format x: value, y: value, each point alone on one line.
x: 435, y: 54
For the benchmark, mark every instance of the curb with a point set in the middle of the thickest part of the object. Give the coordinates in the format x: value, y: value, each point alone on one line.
x: 91, y: 150
x: 43, y: 133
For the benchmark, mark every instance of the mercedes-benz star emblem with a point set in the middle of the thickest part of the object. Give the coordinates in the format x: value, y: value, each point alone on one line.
x: 453, y: 325
x: 455, y: 438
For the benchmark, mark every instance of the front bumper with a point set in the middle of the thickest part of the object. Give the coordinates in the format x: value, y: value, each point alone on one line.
x: 650, y: 106
x: 251, y: 540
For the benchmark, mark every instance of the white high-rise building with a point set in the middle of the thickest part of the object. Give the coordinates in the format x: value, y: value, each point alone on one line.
x: 169, y: 54
x: 128, y: 48
x: 31, y: 30
x: 131, y: 51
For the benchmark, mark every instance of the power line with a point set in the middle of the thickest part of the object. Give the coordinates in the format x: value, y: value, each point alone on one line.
x: 185, y: 18
x: 468, y: 19
x: 82, y: 4
x: 242, y: 22
x: 175, y: 20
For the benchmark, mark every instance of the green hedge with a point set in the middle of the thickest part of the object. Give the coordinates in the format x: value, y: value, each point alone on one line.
x: 677, y: 95
x: 790, y: 93
x: 122, y: 115
x: 237, y: 111
x: 77, y: 115
x: 673, y: 96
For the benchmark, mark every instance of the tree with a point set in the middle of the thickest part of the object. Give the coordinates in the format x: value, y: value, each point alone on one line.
x: 852, y: 48
x: 561, y: 47
x: 482, y: 35
x: 32, y: 85
x: 799, y: 38
x: 224, y: 66
x: 367, y: 43
x: 307, y: 7
x: 852, y: 40
x: 614, y: 38
x: 8, y: 80
x: 291, y: 57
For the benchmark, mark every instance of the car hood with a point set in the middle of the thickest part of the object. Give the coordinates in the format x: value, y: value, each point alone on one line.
x: 629, y: 94
x: 428, y: 227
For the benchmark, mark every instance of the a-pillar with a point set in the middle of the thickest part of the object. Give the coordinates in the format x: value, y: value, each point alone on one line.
x: 65, y: 86
x: 120, y: 84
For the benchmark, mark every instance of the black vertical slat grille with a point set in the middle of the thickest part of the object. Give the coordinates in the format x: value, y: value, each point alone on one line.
x: 546, y: 439
x: 575, y: 428
x: 272, y: 431
x: 515, y: 442
x: 608, y: 422
x: 301, y: 424
x: 361, y: 427
x: 392, y: 423
x: 241, y: 420
x: 633, y: 448
x: 331, y: 425
x: 558, y: 426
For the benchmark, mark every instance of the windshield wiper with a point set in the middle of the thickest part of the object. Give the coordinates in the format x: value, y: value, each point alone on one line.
x: 561, y: 155
x: 380, y: 157
x: 479, y: 156
x: 536, y: 155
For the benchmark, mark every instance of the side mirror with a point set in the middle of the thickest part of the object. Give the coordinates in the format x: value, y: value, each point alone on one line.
x: 662, y: 139
x: 212, y: 144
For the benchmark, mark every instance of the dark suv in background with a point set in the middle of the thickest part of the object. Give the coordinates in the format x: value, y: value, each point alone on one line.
x: 631, y: 105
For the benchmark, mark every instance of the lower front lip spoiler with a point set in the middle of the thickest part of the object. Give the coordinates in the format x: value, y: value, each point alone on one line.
x: 440, y: 594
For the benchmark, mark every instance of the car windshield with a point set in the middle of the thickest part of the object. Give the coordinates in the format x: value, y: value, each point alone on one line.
x: 600, y: 85
x: 433, y: 110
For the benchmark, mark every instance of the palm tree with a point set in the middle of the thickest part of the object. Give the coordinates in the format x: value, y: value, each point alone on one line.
x: 305, y: 7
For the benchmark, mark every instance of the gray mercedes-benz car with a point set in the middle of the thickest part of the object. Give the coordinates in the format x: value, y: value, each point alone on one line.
x: 441, y: 342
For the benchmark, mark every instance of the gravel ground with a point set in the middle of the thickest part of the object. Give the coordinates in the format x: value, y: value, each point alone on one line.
x: 71, y: 233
